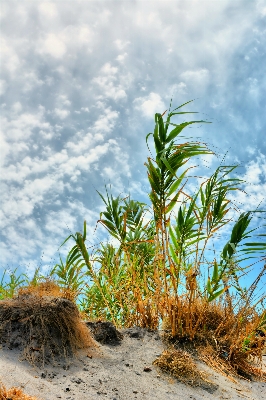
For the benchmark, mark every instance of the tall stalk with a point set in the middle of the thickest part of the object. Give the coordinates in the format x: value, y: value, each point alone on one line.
x: 167, y: 182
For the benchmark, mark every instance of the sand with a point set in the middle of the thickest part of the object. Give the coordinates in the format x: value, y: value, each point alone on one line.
x: 121, y: 372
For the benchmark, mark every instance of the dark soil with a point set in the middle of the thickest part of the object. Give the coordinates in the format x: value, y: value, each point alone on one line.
x: 44, y: 329
x: 105, y: 332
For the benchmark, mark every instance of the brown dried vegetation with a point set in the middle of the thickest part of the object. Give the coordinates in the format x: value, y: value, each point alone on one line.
x: 14, y: 394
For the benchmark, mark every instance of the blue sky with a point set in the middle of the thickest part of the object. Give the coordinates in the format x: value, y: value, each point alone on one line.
x: 80, y: 83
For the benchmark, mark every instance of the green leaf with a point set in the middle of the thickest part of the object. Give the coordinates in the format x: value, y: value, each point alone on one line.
x: 176, y: 131
x: 177, y: 183
x: 214, y: 296
x: 159, y: 121
x: 215, y: 273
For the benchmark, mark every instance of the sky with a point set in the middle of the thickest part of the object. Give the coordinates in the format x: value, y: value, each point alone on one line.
x: 80, y: 84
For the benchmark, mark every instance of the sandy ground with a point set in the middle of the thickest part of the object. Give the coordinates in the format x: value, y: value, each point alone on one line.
x: 118, y: 373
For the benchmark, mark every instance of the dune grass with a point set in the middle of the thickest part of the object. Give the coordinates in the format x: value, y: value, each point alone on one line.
x: 163, y: 271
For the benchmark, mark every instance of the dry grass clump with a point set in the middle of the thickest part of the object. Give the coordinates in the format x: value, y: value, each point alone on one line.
x: 230, y: 341
x: 45, y: 328
x: 179, y: 364
x: 47, y: 288
x: 14, y: 394
x: 242, y: 366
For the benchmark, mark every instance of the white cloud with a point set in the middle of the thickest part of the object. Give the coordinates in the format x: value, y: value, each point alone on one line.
x: 18, y: 130
x: 179, y: 89
x: 121, y: 57
x: 54, y: 46
x: 63, y: 100
x: 48, y: 9
x: 150, y: 104
x: 8, y: 53
x: 196, y: 77
x: 107, y: 83
x: 75, y: 36
x: 88, y: 141
x: 121, y: 44
x: 58, y: 219
x: 106, y: 122
x: 62, y: 114
x: 256, y: 171
x: 251, y: 150
x: 31, y: 81
x: 254, y: 186
x: 22, y: 127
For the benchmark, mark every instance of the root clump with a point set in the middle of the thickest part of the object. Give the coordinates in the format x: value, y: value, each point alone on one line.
x: 44, y: 328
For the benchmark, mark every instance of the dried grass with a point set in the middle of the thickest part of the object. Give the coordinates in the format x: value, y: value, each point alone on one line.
x: 180, y: 365
x: 228, y: 341
x: 14, y: 394
x: 47, y: 288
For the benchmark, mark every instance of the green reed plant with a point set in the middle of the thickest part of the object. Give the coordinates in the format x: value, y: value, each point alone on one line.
x: 163, y: 174
x: 10, y: 282
x: 70, y: 275
x: 159, y: 267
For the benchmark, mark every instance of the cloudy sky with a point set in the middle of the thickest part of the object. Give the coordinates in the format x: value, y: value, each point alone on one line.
x: 80, y: 83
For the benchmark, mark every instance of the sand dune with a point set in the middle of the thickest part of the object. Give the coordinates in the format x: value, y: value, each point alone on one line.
x: 119, y: 372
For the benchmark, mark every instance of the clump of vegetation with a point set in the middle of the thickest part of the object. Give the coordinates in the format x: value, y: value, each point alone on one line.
x: 181, y: 365
x: 163, y: 271
x: 44, y: 325
x: 47, y: 287
x: 14, y: 394
x: 227, y: 339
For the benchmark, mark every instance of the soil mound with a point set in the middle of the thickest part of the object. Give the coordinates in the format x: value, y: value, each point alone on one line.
x: 105, y: 332
x: 46, y: 329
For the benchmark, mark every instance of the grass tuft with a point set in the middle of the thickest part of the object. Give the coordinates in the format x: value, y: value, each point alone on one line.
x: 14, y: 394
x: 180, y: 365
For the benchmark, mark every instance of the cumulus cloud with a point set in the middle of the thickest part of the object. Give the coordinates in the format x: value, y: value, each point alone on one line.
x: 18, y: 128
x: 61, y: 113
x: 150, y: 104
x: 108, y: 83
x: 254, y: 186
x: 53, y: 45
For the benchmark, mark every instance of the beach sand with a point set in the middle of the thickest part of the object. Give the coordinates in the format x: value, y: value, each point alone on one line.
x: 119, y: 372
